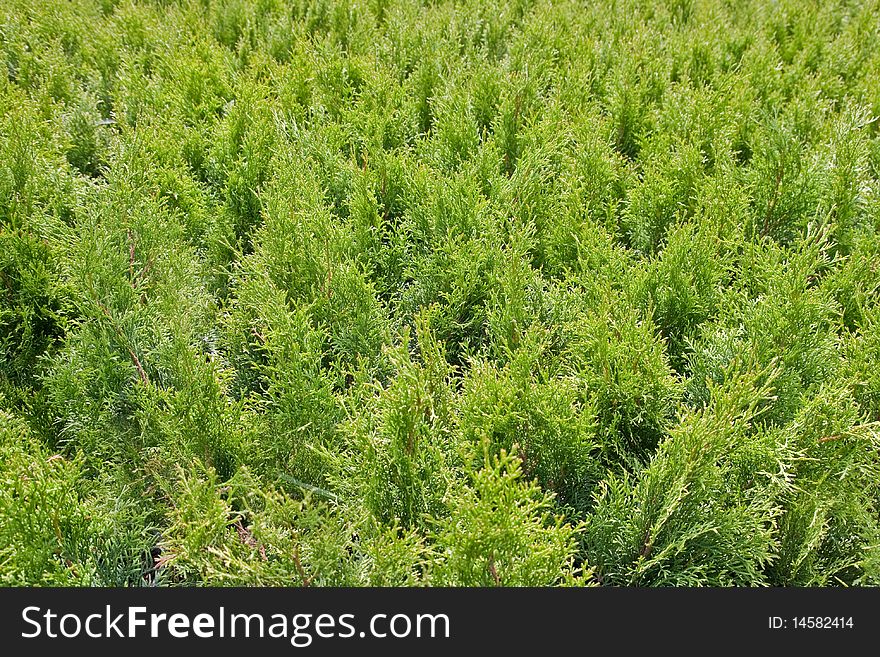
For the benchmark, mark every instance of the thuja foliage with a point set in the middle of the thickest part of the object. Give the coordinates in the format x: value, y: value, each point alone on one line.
x: 398, y: 293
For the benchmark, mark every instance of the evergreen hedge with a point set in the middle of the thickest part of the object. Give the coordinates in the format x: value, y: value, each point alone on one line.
x: 468, y: 293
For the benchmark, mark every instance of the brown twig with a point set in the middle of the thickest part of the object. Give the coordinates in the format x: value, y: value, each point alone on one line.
x: 143, y: 272
x: 647, y: 543
x: 493, y: 571
x: 247, y: 537
x: 844, y: 434
x: 307, y: 581
x: 121, y: 336
x: 259, y: 336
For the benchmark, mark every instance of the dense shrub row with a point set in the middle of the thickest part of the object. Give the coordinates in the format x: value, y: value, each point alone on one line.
x: 415, y: 292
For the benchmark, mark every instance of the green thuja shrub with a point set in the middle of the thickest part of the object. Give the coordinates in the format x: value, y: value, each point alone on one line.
x: 829, y: 526
x: 681, y: 288
x: 861, y: 350
x: 539, y: 415
x: 404, y: 451
x: 277, y: 357
x: 621, y: 363
x: 703, y: 510
x: 787, y: 321
x: 782, y: 185
x: 664, y: 196
x: 34, y: 309
x: 237, y: 533
x: 502, y: 532
x: 43, y: 524
x: 466, y: 293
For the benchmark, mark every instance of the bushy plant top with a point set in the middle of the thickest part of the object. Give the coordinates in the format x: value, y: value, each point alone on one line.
x: 471, y: 293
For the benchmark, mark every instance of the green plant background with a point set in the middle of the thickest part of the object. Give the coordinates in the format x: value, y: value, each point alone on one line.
x: 462, y: 293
